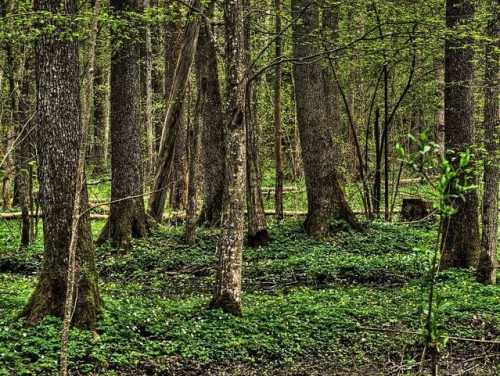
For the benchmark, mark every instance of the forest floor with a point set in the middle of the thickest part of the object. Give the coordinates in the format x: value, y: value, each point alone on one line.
x: 348, y: 305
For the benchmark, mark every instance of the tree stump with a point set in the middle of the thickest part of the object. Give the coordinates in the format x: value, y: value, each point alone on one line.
x: 415, y: 209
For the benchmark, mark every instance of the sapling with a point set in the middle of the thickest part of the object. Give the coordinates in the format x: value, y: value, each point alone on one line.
x: 452, y: 184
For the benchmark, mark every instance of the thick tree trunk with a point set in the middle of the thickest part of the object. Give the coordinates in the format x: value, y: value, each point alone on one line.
x: 172, y: 125
x: 127, y: 217
x: 258, y: 235
x: 230, y: 248
x: 325, y: 197
x: 487, y: 267
x: 461, y: 241
x: 58, y: 139
x: 212, y: 152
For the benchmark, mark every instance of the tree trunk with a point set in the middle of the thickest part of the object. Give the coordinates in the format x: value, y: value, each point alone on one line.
x: 172, y: 125
x: 228, y: 281
x: 325, y: 197
x: 461, y: 242
x: 127, y: 218
x: 489, y: 242
x: 59, y: 129
x: 148, y: 111
x: 213, y: 150
x: 193, y: 157
x: 101, y: 116
x: 278, y: 195
x: 24, y: 154
x: 258, y: 235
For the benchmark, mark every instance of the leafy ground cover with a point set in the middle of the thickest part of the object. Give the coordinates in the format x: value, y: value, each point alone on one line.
x: 349, y: 305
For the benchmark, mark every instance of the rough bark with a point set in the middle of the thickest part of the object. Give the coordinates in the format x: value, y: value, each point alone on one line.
x: 172, y: 126
x: 179, y: 173
x: 194, y: 159
x: 461, y: 241
x: 325, y: 197
x: 227, y: 294
x: 148, y: 111
x: 213, y: 150
x: 127, y: 217
x: 258, y: 235
x: 487, y: 267
x: 58, y: 142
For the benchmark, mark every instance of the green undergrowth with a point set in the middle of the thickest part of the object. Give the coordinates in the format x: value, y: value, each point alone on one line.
x: 350, y: 304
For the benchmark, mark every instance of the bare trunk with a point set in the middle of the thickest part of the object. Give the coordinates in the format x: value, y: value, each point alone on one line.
x: 278, y: 195
x: 59, y: 128
x: 325, y: 196
x: 172, y: 124
x: 193, y: 157
x: 127, y: 217
x: 461, y: 242
x: 258, y: 235
x: 230, y: 248
x: 487, y: 267
x: 212, y: 152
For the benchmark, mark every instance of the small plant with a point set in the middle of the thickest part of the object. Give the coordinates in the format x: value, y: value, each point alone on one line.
x: 452, y: 184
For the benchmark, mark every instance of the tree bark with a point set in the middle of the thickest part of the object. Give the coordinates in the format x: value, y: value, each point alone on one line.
x: 487, y: 267
x: 58, y: 141
x: 172, y: 125
x: 278, y: 194
x: 258, y: 235
x: 227, y: 294
x: 194, y: 159
x: 461, y: 241
x: 325, y: 197
x: 213, y: 150
x: 127, y: 217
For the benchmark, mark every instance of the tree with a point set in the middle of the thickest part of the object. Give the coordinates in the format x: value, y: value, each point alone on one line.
x: 58, y: 146
x: 212, y: 152
x: 230, y: 248
x: 325, y: 197
x: 127, y: 218
x: 257, y: 229
x: 278, y: 195
x: 489, y: 241
x: 172, y: 125
x: 461, y: 231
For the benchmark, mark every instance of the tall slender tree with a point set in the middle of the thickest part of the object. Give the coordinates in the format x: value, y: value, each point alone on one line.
x: 461, y: 241
x: 230, y: 248
x: 325, y: 196
x: 489, y: 241
x: 127, y: 218
x: 58, y: 144
x: 257, y: 227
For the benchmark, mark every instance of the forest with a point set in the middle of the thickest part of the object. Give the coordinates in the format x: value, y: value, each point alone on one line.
x: 249, y: 187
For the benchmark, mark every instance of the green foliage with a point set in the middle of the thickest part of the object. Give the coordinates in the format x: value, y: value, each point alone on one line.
x: 306, y: 304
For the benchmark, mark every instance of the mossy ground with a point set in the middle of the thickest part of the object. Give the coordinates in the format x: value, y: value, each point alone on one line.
x: 348, y: 305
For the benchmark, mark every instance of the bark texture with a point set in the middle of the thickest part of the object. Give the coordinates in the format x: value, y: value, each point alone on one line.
x: 487, y: 267
x: 127, y: 218
x: 58, y: 142
x: 278, y: 195
x: 461, y: 241
x: 258, y: 235
x: 325, y: 197
x: 213, y: 150
x: 227, y: 294
x: 172, y: 131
